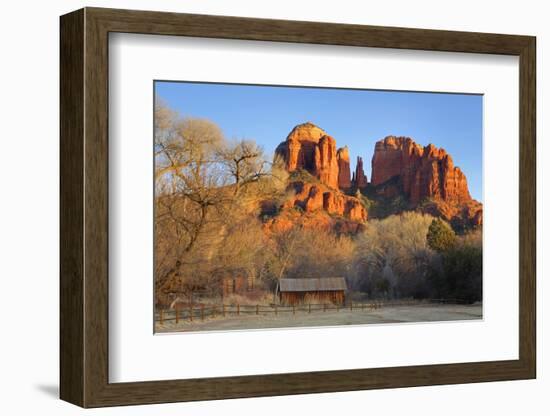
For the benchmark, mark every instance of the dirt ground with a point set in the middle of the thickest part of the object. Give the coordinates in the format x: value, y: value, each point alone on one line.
x: 384, y: 315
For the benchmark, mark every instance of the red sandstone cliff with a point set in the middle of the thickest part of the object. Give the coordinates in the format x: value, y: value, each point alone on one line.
x: 326, y: 163
x: 359, y: 178
x: 344, y: 179
x: 298, y: 150
x: 424, y: 174
x: 310, y: 148
x: 322, y: 203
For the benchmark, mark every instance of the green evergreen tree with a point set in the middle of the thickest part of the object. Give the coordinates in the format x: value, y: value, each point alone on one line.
x: 441, y: 236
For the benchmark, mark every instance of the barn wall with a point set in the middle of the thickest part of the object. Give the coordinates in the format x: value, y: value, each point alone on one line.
x: 294, y: 298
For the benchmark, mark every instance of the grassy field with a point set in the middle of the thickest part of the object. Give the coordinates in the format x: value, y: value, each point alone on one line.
x: 384, y: 315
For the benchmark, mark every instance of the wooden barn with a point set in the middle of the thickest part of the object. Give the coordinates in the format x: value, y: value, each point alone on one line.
x: 317, y: 290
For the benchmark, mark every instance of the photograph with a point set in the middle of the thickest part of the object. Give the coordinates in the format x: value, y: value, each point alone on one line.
x: 309, y: 206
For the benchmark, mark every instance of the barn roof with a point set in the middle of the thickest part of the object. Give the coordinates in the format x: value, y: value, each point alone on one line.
x: 307, y: 285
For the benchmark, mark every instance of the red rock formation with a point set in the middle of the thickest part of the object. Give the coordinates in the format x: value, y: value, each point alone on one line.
x: 343, y: 205
x: 344, y: 180
x: 477, y: 218
x: 326, y: 164
x: 334, y: 203
x: 322, y: 205
x: 294, y: 155
x: 320, y: 220
x: 466, y: 215
x: 314, y: 200
x: 301, y: 194
x: 424, y: 172
x: 355, y: 211
x: 308, y: 147
x: 388, y: 159
x: 425, y: 176
x: 359, y: 177
x: 298, y: 150
x: 315, y: 197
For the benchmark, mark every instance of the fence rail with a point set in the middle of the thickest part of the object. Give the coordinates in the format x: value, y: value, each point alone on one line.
x: 201, y: 312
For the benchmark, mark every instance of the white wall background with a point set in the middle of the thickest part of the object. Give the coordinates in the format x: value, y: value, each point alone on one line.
x: 29, y: 206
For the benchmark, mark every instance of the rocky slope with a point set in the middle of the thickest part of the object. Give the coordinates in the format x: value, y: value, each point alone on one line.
x: 315, y: 205
x: 312, y: 197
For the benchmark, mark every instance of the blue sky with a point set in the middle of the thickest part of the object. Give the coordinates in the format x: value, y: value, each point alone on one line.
x: 356, y: 118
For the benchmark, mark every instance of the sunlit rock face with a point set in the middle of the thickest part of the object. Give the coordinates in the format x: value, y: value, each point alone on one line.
x: 310, y: 148
x: 427, y: 177
x: 424, y: 172
x: 344, y: 171
x: 298, y: 150
x: 423, y: 176
x: 359, y: 180
x: 314, y: 197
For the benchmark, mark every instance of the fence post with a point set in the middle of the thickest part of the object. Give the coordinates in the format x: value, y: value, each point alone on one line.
x: 337, y: 307
x: 351, y: 306
x: 238, y: 309
x: 309, y: 308
x: 257, y: 309
x: 202, y: 312
x: 191, y: 313
x: 276, y: 310
x: 177, y: 313
x: 161, y: 317
x: 293, y: 309
x: 324, y: 307
x: 223, y: 309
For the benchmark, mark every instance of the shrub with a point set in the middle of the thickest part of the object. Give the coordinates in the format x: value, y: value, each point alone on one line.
x: 458, y: 274
x: 302, y: 175
x: 441, y: 236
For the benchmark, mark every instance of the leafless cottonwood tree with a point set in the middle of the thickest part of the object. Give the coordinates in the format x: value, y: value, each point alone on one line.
x: 392, y: 255
x: 205, y: 189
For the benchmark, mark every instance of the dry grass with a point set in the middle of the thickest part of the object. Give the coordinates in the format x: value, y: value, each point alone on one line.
x: 251, y: 298
x: 332, y: 317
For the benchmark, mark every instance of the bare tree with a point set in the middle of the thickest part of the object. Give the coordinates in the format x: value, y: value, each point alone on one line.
x: 245, y: 163
x: 201, y: 182
x: 392, y: 253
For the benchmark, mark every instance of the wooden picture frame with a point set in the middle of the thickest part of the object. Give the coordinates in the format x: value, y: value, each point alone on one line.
x: 84, y: 207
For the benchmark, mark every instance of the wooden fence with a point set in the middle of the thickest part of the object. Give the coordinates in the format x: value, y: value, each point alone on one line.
x: 201, y: 312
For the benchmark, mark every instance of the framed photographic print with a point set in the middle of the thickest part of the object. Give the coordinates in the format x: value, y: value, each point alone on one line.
x: 255, y: 207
